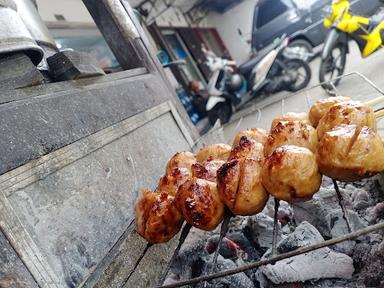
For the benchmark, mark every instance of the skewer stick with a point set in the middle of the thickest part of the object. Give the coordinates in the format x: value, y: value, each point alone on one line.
x: 275, y: 228
x: 379, y: 114
x: 184, y: 233
x: 274, y: 259
x: 375, y: 101
x: 342, y: 205
x: 223, y: 231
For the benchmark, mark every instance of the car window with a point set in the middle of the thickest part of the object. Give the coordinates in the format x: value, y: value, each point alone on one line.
x: 270, y: 9
x: 310, y: 4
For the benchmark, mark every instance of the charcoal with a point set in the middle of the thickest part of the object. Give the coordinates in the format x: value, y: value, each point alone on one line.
x: 316, y: 210
x: 338, y: 227
x: 261, y: 230
x: 234, y: 246
x: 239, y: 280
x: 319, y: 264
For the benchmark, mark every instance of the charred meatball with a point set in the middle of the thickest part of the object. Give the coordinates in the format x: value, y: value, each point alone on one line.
x: 350, y: 153
x: 180, y: 160
x: 291, y: 174
x: 240, y: 188
x: 352, y: 112
x: 291, y: 116
x: 207, y: 170
x: 213, y: 152
x: 247, y: 149
x: 256, y: 134
x: 291, y: 133
x: 199, y: 203
x: 322, y: 106
x: 157, y: 219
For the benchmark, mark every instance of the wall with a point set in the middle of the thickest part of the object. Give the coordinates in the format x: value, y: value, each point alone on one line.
x: 227, y: 24
x: 72, y: 10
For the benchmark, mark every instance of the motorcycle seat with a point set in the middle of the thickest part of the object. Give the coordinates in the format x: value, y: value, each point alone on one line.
x: 246, y: 67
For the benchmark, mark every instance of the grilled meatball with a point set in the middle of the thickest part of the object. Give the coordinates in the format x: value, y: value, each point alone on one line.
x: 171, y: 182
x: 180, y: 160
x: 240, y: 188
x: 322, y: 106
x: 350, y: 153
x: 351, y: 112
x: 207, y: 170
x: 199, y: 203
x: 256, y: 134
x: 291, y: 116
x: 291, y: 173
x: 247, y: 149
x: 157, y: 219
x: 291, y: 133
x: 213, y: 152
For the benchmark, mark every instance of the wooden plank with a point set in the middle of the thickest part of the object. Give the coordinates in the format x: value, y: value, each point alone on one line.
x: 64, y: 212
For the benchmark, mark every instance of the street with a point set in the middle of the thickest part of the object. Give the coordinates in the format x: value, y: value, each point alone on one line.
x: 261, y: 111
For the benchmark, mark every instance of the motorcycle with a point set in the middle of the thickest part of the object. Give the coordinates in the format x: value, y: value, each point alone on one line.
x: 277, y: 68
x: 367, y: 32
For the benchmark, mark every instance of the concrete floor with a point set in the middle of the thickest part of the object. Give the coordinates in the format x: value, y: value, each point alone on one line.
x: 261, y: 111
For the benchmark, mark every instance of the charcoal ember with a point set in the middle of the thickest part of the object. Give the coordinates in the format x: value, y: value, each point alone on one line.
x: 319, y: 264
x: 233, y: 246
x: 369, y: 263
x: 376, y: 213
x: 239, y: 280
x: 338, y: 227
x: 260, y: 228
x: 69, y: 65
x: 317, y: 209
x: 361, y: 199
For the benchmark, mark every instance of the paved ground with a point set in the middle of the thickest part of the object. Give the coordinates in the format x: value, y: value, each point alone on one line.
x: 260, y: 112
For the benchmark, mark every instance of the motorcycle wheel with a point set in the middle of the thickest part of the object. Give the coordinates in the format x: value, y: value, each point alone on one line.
x: 332, y: 67
x: 222, y: 111
x: 303, y: 74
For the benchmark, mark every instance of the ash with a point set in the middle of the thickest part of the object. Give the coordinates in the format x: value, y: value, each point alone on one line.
x: 358, y: 263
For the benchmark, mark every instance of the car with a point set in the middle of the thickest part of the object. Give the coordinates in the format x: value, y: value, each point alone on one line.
x: 301, y: 20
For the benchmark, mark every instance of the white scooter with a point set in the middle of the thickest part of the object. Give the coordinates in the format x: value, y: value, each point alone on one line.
x: 276, y: 69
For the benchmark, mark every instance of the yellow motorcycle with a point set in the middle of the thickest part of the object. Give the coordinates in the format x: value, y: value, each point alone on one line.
x: 367, y: 32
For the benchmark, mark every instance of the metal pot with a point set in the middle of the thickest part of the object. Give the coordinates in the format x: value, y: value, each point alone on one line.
x: 35, y: 25
x: 14, y: 36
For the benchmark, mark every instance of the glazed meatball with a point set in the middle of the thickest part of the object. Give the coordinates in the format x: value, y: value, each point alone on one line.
x: 350, y: 153
x: 247, y: 149
x: 213, y: 152
x: 157, y: 219
x: 180, y: 160
x: 256, y: 134
x: 291, y: 116
x: 207, y: 170
x: 291, y: 174
x: 291, y: 133
x: 322, y: 106
x: 351, y: 112
x: 240, y: 188
x: 199, y: 203
x: 171, y: 182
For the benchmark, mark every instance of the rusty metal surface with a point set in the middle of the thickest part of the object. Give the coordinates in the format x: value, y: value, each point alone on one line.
x: 77, y: 213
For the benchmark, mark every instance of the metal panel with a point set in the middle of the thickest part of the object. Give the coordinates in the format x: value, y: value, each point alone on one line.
x: 65, y: 211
